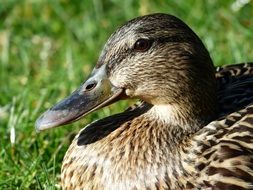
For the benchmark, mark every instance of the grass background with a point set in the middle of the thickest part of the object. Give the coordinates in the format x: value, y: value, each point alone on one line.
x: 47, y: 48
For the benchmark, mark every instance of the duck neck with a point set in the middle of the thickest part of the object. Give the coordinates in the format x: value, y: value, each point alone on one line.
x: 177, y: 122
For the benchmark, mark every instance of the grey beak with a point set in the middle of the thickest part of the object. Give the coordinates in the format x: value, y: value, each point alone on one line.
x: 94, y: 94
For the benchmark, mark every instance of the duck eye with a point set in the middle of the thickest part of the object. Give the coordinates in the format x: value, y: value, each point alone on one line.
x: 142, y: 45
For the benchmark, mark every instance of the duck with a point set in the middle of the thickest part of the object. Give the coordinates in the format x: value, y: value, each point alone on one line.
x: 192, y: 127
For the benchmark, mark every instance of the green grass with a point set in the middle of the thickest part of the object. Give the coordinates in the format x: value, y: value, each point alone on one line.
x: 47, y: 48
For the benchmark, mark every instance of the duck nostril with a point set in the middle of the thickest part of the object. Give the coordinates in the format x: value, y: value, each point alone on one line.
x: 90, y: 86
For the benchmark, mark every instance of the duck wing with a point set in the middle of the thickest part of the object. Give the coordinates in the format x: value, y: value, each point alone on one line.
x: 225, y: 146
x: 225, y: 159
x: 235, y: 87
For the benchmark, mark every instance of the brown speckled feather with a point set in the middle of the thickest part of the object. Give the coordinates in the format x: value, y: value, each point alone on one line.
x: 218, y: 156
x: 235, y: 86
x: 224, y: 150
x: 193, y: 129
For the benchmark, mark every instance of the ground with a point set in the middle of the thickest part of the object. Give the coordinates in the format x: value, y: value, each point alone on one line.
x: 47, y: 48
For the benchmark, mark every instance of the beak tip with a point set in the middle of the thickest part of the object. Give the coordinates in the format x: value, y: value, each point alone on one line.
x: 53, y: 118
x: 45, y: 121
x: 40, y: 124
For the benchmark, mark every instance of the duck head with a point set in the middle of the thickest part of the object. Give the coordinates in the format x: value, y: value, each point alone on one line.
x: 155, y: 58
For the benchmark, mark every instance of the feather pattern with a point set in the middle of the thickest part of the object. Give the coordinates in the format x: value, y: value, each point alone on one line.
x: 219, y: 156
x: 235, y: 86
x: 192, y: 130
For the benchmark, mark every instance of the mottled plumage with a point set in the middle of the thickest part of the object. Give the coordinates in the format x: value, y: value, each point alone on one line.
x: 192, y: 130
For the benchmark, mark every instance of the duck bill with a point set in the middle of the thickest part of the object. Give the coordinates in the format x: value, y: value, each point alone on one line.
x: 94, y: 94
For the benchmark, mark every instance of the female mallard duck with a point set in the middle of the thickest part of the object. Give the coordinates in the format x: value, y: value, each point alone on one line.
x: 193, y: 129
